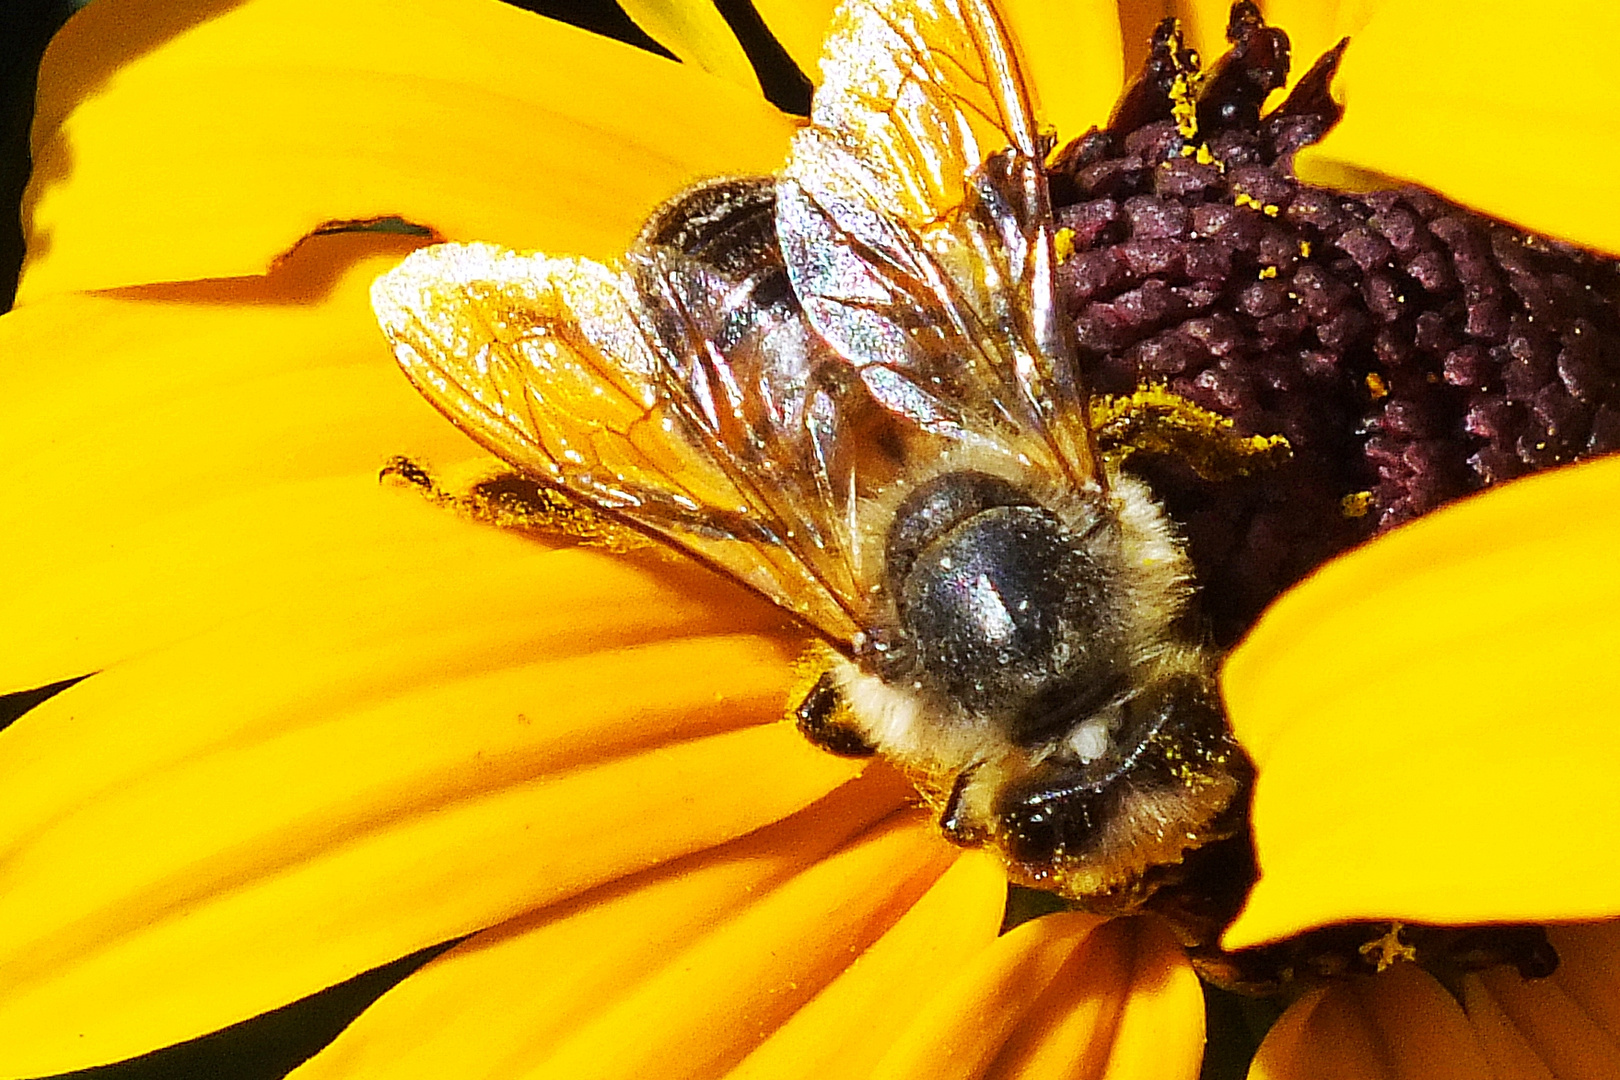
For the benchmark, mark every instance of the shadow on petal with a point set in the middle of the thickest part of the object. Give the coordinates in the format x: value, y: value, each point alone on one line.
x: 1401, y: 1025
x: 1565, y: 1026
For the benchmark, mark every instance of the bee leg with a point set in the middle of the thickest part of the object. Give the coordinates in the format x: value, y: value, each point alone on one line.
x: 820, y: 718
x: 954, y: 820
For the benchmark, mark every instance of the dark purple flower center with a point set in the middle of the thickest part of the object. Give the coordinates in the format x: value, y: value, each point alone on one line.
x: 1410, y: 351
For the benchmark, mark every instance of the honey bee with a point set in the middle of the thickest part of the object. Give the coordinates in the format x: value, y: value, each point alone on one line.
x: 851, y: 388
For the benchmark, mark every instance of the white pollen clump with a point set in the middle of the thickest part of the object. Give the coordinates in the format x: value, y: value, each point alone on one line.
x: 1090, y: 740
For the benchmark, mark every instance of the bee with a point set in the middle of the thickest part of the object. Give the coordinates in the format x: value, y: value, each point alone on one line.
x: 851, y: 388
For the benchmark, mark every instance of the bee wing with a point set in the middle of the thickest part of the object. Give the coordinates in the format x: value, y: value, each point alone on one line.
x: 557, y: 366
x: 915, y: 224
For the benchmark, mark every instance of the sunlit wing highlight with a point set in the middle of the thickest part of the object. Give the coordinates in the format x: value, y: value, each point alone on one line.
x: 547, y: 363
x: 915, y: 222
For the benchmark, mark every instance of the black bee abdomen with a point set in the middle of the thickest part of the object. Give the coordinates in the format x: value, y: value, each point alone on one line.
x: 1003, y: 602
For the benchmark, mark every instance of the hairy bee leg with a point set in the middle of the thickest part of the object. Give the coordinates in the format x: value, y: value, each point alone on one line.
x: 818, y: 718
x: 407, y: 472
x: 954, y: 821
x: 509, y: 500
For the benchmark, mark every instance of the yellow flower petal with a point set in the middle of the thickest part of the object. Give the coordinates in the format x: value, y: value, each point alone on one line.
x: 130, y: 420
x: 668, y: 955
x: 468, y: 116
x: 1133, y: 1008
x: 699, y: 1016
x: 847, y: 1027
x: 1070, y: 50
x: 1433, y: 718
x: 1567, y: 1025
x: 694, y: 31
x: 1503, y: 111
x: 1400, y: 1025
x: 332, y: 722
x: 275, y: 861
x: 1137, y: 18
x: 1060, y: 997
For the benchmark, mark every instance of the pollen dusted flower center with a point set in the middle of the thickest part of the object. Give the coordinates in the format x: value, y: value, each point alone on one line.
x: 1409, y: 350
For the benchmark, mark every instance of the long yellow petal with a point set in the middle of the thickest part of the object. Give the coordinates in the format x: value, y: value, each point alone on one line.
x: 133, y: 423
x: 704, y: 1012
x: 1401, y: 1025
x: 1130, y: 1007
x: 210, y: 153
x: 1137, y: 19
x: 1491, y: 105
x: 1433, y: 718
x: 966, y: 1026
x: 1072, y: 60
x: 694, y: 31
x: 847, y: 1027
x: 259, y: 904
x: 1058, y: 997
x: 504, y: 1001
x: 332, y: 722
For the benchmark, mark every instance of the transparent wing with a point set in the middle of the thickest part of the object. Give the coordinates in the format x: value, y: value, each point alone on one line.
x: 915, y: 224
x: 558, y: 366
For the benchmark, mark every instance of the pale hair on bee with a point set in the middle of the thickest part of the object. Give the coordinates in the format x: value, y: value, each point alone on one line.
x: 851, y: 388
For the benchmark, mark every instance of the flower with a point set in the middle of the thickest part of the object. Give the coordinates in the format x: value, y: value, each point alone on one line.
x: 327, y: 724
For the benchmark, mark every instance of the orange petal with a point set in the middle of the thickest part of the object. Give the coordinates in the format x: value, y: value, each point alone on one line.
x: 1565, y: 1026
x: 1058, y: 997
x: 699, y: 958
x: 694, y: 31
x: 1401, y: 1025
x: 471, y: 117
x: 1137, y: 18
x: 1433, y: 718
x: 846, y: 1027
x: 1132, y: 1008
x: 1488, y: 105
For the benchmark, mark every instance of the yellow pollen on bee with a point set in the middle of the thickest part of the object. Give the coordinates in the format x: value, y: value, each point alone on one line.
x: 1063, y: 244
x: 1356, y: 504
x: 1304, y: 249
x: 1376, y: 386
x: 1268, y: 271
